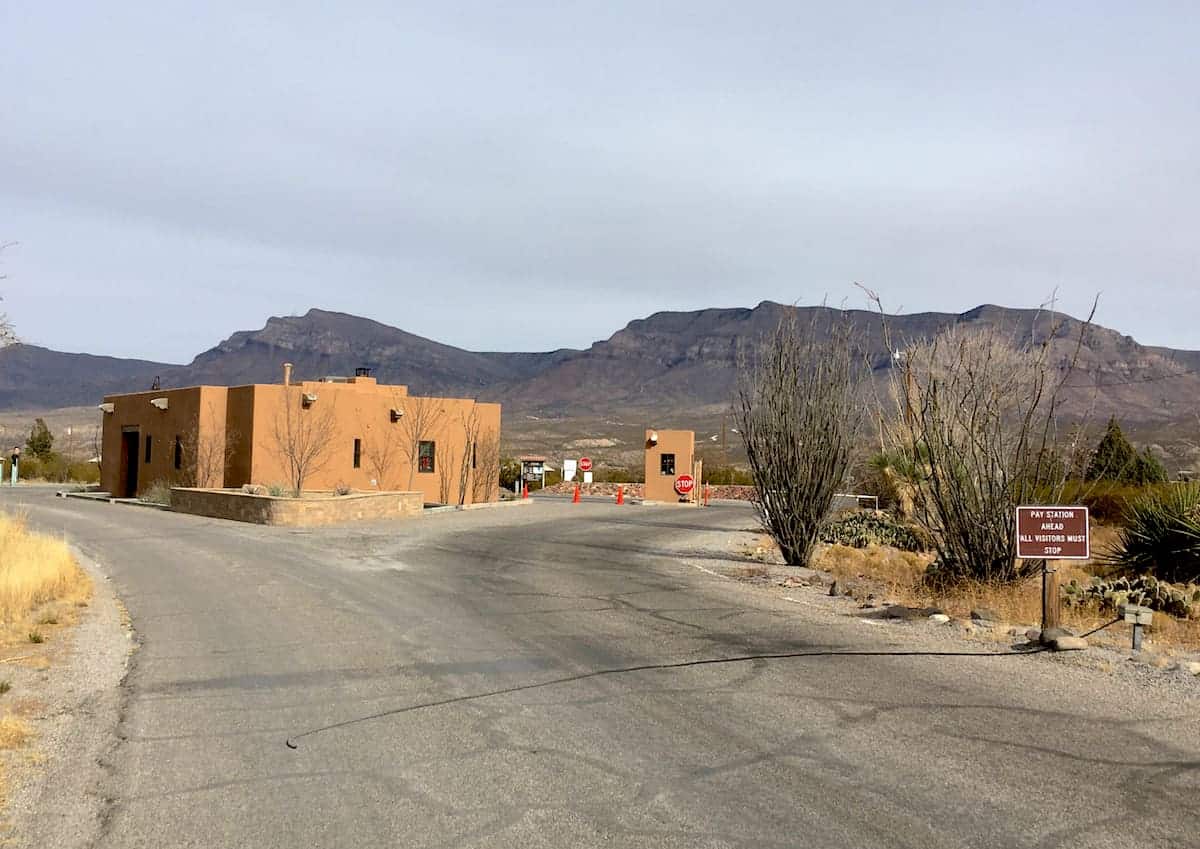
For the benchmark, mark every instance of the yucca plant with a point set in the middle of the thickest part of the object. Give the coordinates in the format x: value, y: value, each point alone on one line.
x: 1161, y: 535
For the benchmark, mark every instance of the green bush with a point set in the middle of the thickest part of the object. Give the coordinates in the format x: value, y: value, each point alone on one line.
x: 83, y: 471
x: 1161, y: 534
x: 878, y: 477
x: 1107, y: 501
x: 510, y: 472
x: 727, y: 476
x: 617, y: 474
x: 858, y: 530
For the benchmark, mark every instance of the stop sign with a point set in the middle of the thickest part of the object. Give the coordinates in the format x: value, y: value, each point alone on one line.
x: 684, y: 484
x: 585, y: 464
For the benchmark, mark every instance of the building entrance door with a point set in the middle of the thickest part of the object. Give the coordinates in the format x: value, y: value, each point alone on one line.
x: 129, y: 464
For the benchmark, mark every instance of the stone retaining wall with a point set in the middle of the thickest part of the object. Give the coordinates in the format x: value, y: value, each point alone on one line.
x: 295, y: 512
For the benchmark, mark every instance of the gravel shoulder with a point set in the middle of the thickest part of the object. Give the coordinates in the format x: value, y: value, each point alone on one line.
x: 57, y: 797
x: 731, y: 555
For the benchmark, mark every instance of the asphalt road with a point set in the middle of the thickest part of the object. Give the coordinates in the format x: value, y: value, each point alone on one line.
x: 250, y: 636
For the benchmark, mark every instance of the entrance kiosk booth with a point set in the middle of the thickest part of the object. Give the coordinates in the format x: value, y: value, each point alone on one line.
x: 672, y: 472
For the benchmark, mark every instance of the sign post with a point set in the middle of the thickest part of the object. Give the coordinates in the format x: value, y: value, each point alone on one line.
x: 585, y: 466
x: 1053, y: 533
x: 684, y: 484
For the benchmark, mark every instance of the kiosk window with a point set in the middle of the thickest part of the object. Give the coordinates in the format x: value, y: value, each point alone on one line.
x: 425, y: 457
x: 668, y: 464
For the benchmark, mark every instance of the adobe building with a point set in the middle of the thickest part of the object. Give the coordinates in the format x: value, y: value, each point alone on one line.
x: 353, y: 432
x: 669, y: 454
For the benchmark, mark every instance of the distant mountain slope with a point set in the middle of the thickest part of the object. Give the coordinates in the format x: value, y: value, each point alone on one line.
x: 322, y: 343
x: 666, y: 362
x: 32, y: 377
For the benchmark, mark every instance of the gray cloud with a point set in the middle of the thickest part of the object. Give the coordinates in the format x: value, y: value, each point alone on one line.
x: 501, y: 176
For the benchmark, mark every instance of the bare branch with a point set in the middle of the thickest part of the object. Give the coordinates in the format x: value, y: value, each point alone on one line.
x: 799, y: 416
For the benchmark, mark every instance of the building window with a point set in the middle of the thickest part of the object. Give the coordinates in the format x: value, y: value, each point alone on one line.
x: 148, y: 439
x: 178, y: 453
x: 667, y: 464
x: 425, y: 457
x: 474, y: 453
x: 358, y: 453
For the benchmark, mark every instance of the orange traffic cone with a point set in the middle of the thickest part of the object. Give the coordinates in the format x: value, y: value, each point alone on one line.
x: 575, y: 497
x: 620, y: 495
x: 525, y: 491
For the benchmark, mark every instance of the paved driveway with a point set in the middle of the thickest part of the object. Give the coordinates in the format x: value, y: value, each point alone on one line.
x: 250, y: 636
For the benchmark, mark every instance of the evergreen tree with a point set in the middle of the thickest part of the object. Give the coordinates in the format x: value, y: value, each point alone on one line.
x: 41, y: 442
x: 1150, y: 469
x: 1114, y: 458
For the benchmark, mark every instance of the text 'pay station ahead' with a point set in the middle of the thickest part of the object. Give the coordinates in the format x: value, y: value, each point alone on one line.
x: 1053, y: 533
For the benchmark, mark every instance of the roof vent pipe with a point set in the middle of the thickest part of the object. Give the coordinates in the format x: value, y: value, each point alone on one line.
x: 287, y: 374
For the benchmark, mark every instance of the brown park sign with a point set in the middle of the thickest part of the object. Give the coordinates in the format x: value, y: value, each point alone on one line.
x: 1053, y: 533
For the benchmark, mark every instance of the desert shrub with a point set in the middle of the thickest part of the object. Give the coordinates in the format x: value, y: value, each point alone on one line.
x: 277, y: 490
x: 858, y: 530
x: 1161, y: 534
x: 977, y: 420
x: 55, y: 468
x: 1107, y: 501
x: 727, y: 476
x: 342, y: 489
x: 510, y: 472
x: 83, y: 471
x: 619, y: 474
x: 799, y: 414
x: 158, y: 492
x: 1182, y: 602
x: 878, y: 477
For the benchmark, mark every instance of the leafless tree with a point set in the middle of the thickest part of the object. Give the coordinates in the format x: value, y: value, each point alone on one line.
x: 420, y: 417
x: 98, y: 447
x: 303, y: 436
x: 446, y: 470
x: 204, y: 458
x: 977, y: 421
x: 486, y: 477
x: 382, y: 447
x: 799, y: 414
x: 7, y: 334
x: 470, y: 426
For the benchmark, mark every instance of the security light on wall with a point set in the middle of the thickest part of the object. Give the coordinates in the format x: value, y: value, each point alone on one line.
x: 107, y: 407
x: 654, y: 437
x: 396, y: 415
x: 158, y: 403
x: 308, y: 399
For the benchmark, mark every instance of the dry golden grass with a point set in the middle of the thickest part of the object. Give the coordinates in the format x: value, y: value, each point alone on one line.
x: 42, y: 589
x: 14, y: 732
x: 35, y: 570
x: 899, y: 574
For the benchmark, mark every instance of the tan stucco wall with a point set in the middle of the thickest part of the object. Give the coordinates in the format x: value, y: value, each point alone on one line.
x: 681, y: 443
x: 195, y: 415
x: 244, y: 419
x: 293, y: 512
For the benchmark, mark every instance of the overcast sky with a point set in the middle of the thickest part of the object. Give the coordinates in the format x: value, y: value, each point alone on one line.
x: 527, y: 176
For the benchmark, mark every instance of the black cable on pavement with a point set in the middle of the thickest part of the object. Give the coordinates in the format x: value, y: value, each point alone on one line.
x: 683, y: 664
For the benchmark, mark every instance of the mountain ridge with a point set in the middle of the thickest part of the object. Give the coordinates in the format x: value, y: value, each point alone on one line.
x: 661, y: 361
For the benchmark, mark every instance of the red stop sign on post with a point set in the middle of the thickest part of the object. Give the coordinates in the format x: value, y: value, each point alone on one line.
x: 684, y: 484
x: 585, y: 464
